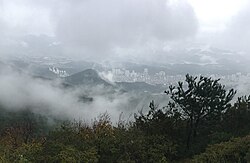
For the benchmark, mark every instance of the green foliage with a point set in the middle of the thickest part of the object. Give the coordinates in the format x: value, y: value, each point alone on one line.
x: 235, y: 150
x: 160, y: 121
x: 199, y: 116
x: 106, y: 143
x: 237, y: 118
x: 24, y: 153
x: 199, y: 101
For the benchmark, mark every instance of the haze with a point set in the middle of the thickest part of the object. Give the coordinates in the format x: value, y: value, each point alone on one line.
x: 121, y: 29
x: 178, y: 36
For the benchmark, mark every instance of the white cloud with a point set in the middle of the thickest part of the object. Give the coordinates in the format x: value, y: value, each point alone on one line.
x: 236, y: 32
x: 21, y: 91
x: 94, y: 28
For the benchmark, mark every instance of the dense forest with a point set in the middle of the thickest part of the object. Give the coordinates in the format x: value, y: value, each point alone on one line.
x: 202, y: 123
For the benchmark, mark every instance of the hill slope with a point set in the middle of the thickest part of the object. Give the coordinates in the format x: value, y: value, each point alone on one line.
x: 86, y: 77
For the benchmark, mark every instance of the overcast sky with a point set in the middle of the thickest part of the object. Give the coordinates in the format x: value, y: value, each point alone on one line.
x: 107, y: 28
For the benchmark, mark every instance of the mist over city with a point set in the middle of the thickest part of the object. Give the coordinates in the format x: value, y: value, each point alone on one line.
x: 129, y: 80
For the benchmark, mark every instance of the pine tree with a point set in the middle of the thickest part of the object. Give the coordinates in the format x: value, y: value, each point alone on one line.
x: 199, y: 100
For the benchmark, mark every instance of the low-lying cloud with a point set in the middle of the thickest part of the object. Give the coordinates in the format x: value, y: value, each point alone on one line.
x: 50, y: 98
x: 95, y: 29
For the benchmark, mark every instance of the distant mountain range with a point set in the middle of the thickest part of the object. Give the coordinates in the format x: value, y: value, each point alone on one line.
x: 91, y: 78
x: 88, y: 77
x: 38, y: 53
x: 199, y: 59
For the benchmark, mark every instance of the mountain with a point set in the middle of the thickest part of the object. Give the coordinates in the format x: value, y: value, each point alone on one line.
x: 140, y: 87
x: 43, y: 72
x: 87, y: 77
x: 204, y: 55
x: 193, y: 59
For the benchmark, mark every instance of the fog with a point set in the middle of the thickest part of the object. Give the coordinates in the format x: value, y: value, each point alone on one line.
x: 144, y: 31
x: 108, y: 29
x: 107, y: 25
x: 97, y: 29
x: 20, y: 91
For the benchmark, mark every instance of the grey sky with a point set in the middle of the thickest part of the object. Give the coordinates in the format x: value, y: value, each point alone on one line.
x: 102, y: 29
x: 238, y: 33
x: 234, y: 34
x: 107, y: 28
x: 96, y: 28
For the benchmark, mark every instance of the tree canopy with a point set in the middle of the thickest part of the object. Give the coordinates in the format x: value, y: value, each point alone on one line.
x: 199, y: 99
x: 198, y: 125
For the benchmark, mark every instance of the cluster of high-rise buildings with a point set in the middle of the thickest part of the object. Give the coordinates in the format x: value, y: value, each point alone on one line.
x: 124, y: 75
x: 57, y: 71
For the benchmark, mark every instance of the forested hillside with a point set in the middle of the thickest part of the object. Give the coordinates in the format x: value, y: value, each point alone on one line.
x: 201, y: 123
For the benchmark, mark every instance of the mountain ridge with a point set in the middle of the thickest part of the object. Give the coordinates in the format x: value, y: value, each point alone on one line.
x: 86, y: 77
